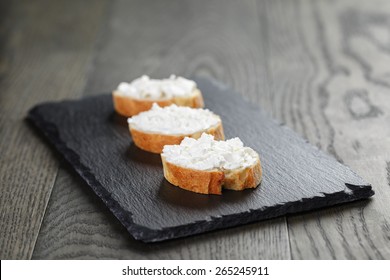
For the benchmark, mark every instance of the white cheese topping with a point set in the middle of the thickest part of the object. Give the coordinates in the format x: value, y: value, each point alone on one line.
x: 174, y: 120
x: 206, y: 153
x: 146, y: 88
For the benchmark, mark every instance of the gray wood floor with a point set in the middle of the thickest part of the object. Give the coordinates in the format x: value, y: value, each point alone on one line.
x: 321, y: 67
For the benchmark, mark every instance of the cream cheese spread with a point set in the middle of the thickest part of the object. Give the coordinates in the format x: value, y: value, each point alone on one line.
x: 206, y: 153
x: 147, y: 88
x: 174, y: 120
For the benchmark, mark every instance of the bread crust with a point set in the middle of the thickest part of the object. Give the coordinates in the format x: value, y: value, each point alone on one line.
x: 155, y: 142
x: 199, y: 181
x: 212, y: 181
x: 245, y: 178
x: 128, y: 106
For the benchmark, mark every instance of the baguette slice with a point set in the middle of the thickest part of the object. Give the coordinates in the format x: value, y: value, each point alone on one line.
x: 139, y: 96
x: 206, y: 166
x: 153, y: 129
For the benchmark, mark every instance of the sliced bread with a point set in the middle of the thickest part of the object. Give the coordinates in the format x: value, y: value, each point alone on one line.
x: 206, y: 166
x: 138, y: 96
x: 153, y: 129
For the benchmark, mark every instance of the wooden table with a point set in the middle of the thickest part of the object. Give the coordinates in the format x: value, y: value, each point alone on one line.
x: 321, y: 67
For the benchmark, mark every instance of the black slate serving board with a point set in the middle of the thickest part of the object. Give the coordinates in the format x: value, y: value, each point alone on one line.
x: 95, y: 140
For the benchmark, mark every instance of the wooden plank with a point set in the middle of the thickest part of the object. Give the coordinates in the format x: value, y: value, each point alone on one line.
x: 219, y: 39
x: 41, y: 58
x: 328, y: 68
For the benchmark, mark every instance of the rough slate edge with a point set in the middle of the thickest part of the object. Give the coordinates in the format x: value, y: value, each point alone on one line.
x: 148, y: 235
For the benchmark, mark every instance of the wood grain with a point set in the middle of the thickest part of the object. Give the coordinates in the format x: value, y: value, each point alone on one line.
x: 221, y: 40
x: 319, y: 66
x: 330, y: 61
x: 41, y: 59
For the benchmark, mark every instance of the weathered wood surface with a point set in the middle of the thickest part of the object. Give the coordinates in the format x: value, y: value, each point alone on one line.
x: 335, y: 90
x: 40, y: 58
x: 167, y: 47
x: 319, y: 66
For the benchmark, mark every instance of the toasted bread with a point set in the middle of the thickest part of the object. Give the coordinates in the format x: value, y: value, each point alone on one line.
x: 211, y: 181
x: 152, y: 135
x: 130, y: 104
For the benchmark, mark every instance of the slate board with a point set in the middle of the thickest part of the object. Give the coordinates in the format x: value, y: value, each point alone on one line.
x: 95, y: 140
